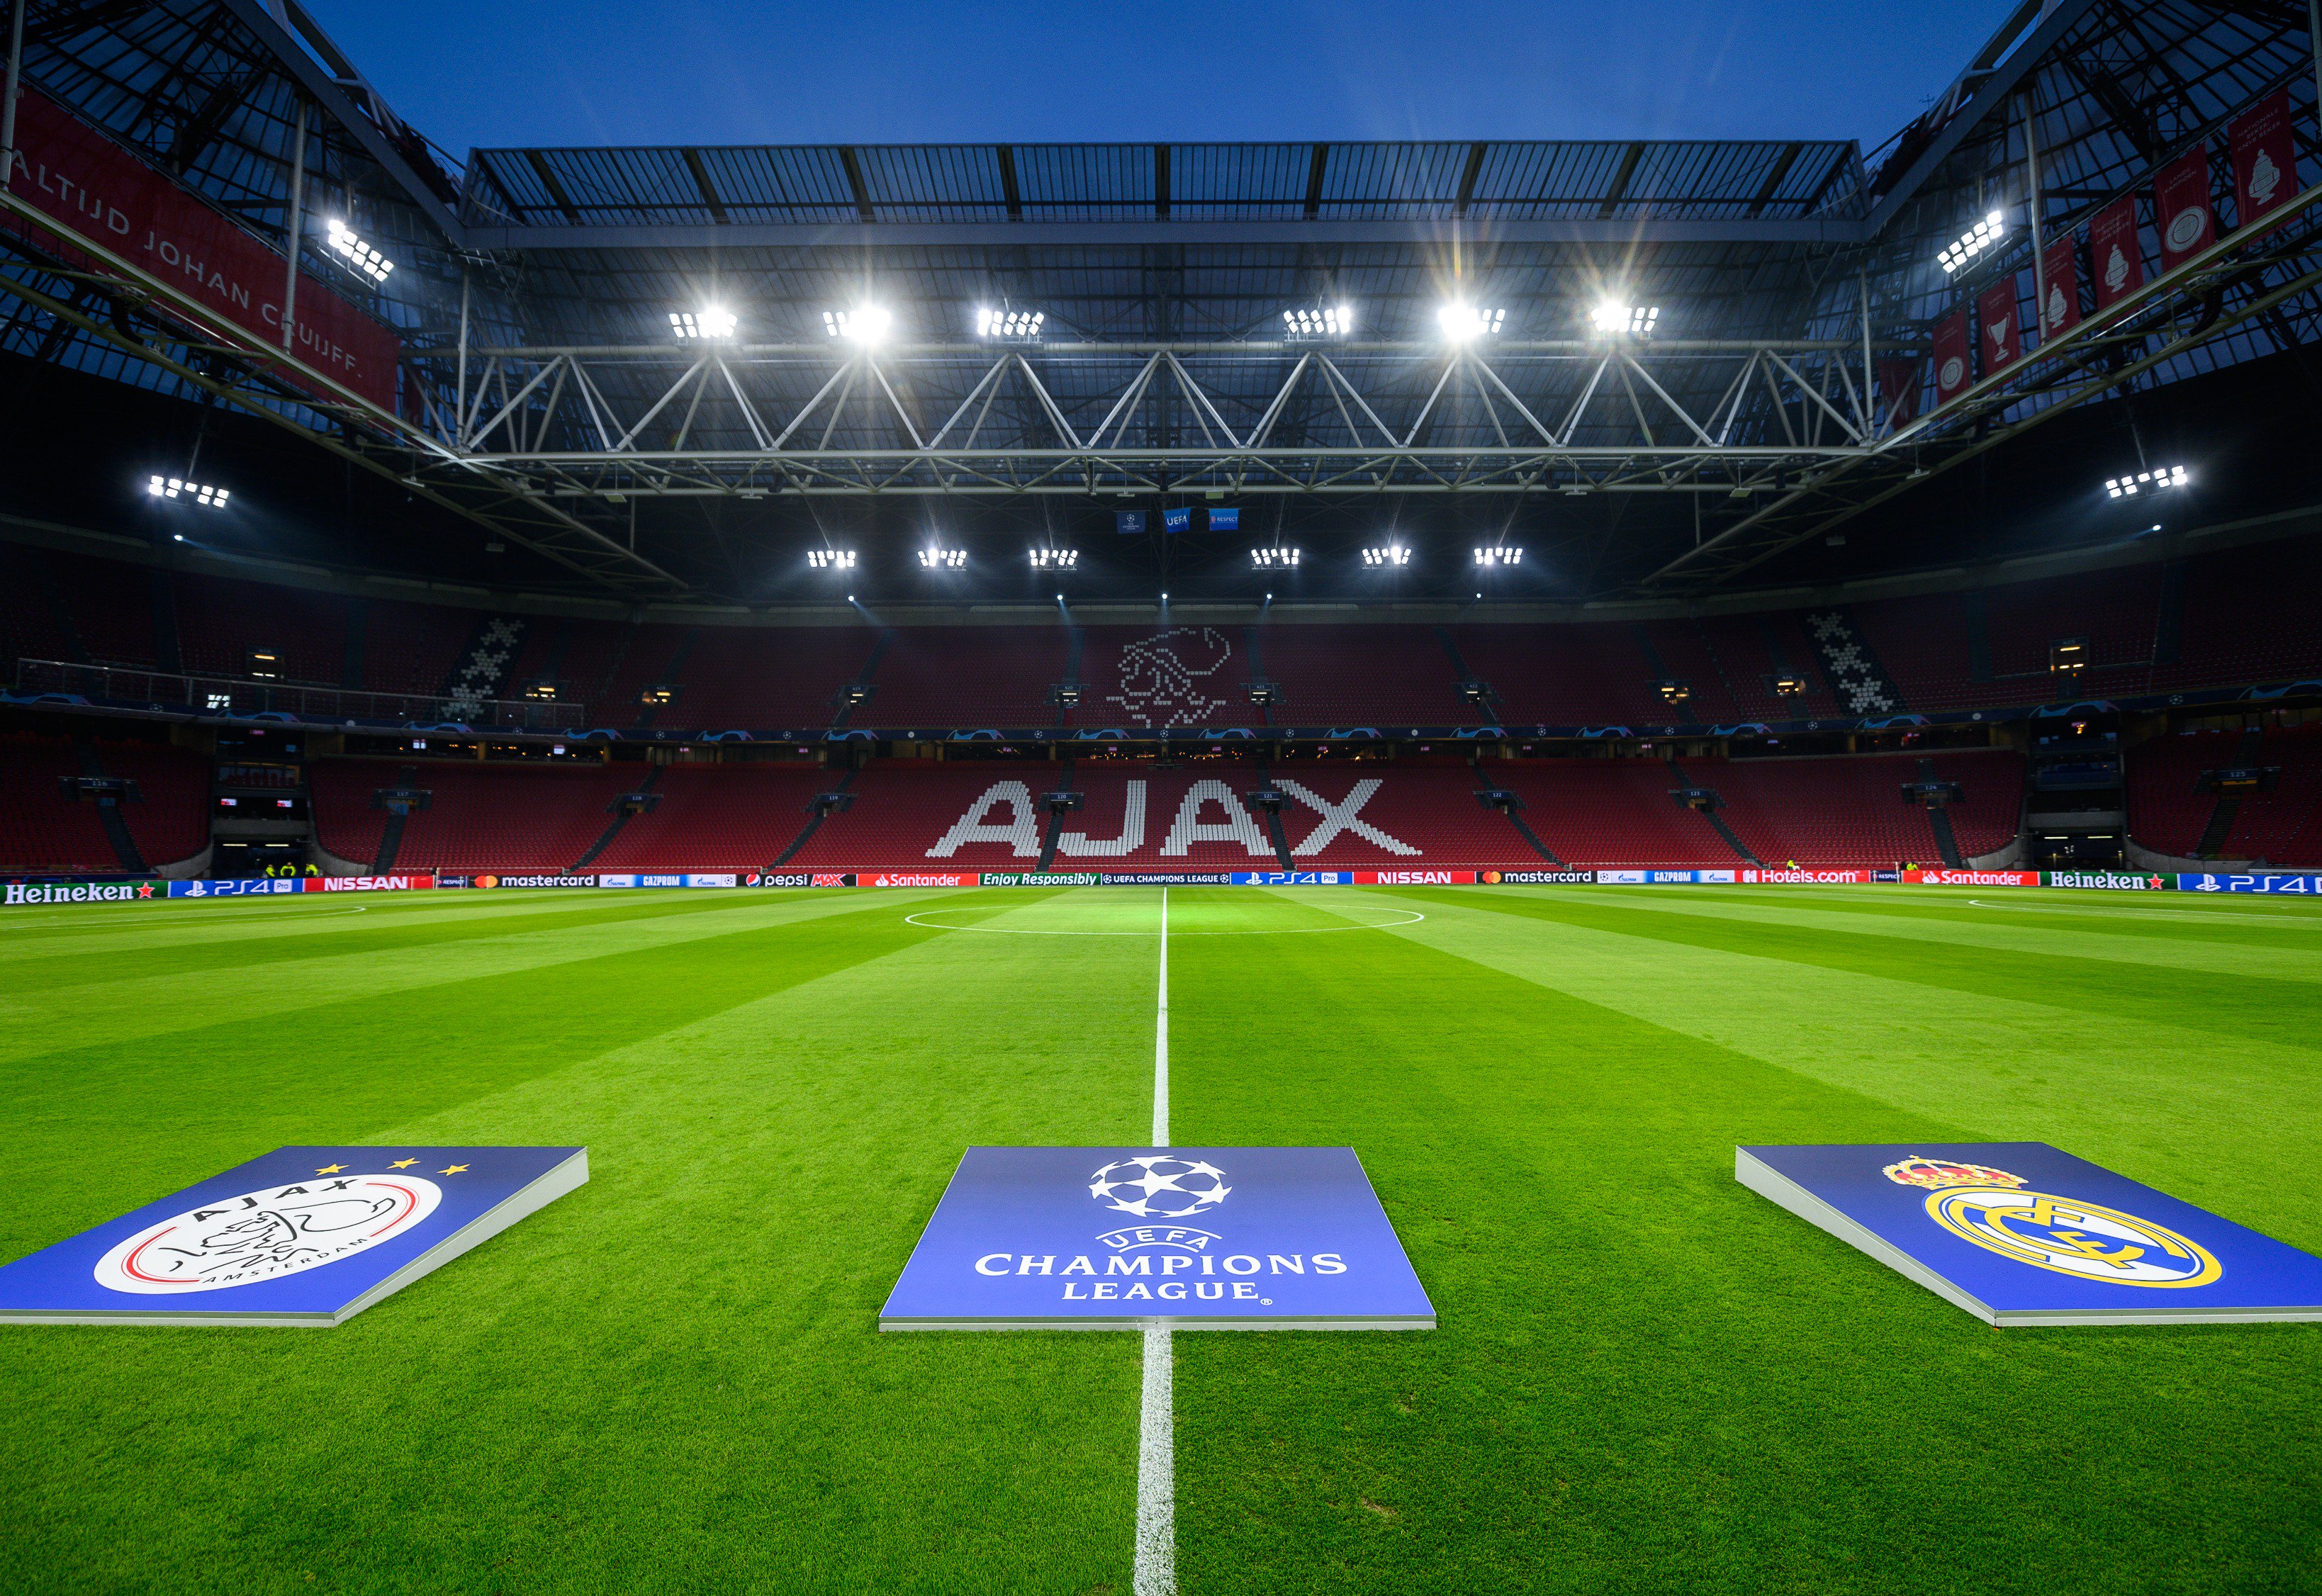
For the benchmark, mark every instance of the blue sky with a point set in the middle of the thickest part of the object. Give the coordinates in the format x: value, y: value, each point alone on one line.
x: 488, y: 72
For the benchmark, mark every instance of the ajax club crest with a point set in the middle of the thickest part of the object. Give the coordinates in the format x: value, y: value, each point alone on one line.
x: 1989, y: 1208
x: 267, y: 1235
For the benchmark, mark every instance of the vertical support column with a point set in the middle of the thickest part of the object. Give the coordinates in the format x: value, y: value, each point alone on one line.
x: 460, y: 389
x: 2039, y: 234
x: 8, y: 93
x: 295, y: 233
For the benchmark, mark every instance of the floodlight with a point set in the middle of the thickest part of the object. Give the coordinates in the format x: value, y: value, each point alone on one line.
x: 2145, y: 482
x: 1392, y: 554
x: 1327, y: 321
x: 1499, y: 554
x: 1023, y: 326
x: 358, y: 254
x: 1056, y: 559
x: 940, y: 559
x: 830, y: 559
x: 1462, y: 321
x: 1636, y: 320
x: 712, y: 320
x: 865, y: 323
x: 1974, y: 242
x: 178, y: 487
x: 1273, y: 559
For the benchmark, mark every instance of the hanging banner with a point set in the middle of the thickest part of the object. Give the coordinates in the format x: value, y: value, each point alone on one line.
x: 2265, y: 163
x: 101, y: 192
x: 2060, y: 307
x: 1995, y: 311
x: 1898, y: 385
x: 2115, y: 254
x: 2180, y: 207
x: 1951, y: 357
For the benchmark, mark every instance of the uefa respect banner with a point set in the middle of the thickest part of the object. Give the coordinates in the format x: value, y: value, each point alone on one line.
x: 101, y: 192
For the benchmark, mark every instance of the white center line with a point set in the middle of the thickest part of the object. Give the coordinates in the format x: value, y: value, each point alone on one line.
x: 1157, y: 1450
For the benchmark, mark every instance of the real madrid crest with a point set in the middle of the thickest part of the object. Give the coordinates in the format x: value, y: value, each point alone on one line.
x: 1989, y: 1208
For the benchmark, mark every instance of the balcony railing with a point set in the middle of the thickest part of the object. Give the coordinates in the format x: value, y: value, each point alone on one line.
x: 242, y: 699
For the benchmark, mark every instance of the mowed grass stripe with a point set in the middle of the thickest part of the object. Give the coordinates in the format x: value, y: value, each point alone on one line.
x: 325, y: 934
x: 669, y: 1380
x: 2179, y: 948
x: 2257, y: 922
x: 1648, y: 1378
x: 2227, y: 1123
x: 2258, y: 1008
x: 34, y: 1021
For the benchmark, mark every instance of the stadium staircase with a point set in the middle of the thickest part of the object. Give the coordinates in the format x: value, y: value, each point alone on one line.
x: 2222, y: 818
x: 844, y: 698
x: 1939, y: 820
x: 1508, y: 809
x: 620, y: 819
x: 1272, y: 813
x: 108, y: 812
x: 814, y: 818
x: 391, y: 836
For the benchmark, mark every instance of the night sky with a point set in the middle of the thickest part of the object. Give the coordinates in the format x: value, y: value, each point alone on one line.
x: 491, y: 72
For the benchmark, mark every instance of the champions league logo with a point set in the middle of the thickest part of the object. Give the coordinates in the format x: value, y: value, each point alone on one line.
x: 265, y: 1235
x: 1156, y: 1186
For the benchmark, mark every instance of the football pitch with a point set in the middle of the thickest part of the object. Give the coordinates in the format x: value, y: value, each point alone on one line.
x: 1645, y: 1378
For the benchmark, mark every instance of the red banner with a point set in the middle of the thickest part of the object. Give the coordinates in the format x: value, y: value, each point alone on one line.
x: 2180, y: 207
x: 364, y: 883
x: 1898, y: 385
x: 2116, y: 255
x: 1972, y: 878
x: 1951, y: 357
x: 1994, y: 310
x: 1414, y: 878
x: 2060, y: 307
x: 1805, y: 878
x: 104, y: 194
x: 2265, y: 163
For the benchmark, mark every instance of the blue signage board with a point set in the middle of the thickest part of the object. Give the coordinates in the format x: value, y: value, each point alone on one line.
x: 1129, y: 522
x: 304, y: 1235
x: 1225, y: 519
x: 236, y: 887
x: 1117, y: 1238
x: 2020, y: 1233
x: 1177, y: 520
x: 1293, y: 878
x: 2265, y: 881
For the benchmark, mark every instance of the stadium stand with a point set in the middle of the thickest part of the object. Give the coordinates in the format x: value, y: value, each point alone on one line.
x: 961, y: 676
x: 1358, y: 675
x: 528, y: 818
x: 43, y: 833
x: 2169, y: 813
x: 716, y: 818
x: 1847, y: 812
x: 221, y: 622
x: 1592, y: 812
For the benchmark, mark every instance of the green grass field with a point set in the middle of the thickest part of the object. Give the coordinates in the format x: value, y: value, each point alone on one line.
x: 1646, y: 1379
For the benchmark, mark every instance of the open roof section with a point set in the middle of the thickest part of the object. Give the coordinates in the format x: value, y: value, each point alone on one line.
x: 1770, y: 192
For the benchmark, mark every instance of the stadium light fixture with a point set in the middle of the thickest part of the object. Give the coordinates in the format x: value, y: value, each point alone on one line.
x: 1613, y: 318
x: 1974, y: 242
x: 2129, y: 486
x: 1056, y: 559
x: 1327, y: 321
x: 1462, y: 323
x: 941, y: 558
x: 830, y: 559
x: 711, y: 321
x: 1392, y: 554
x: 178, y: 487
x: 1496, y: 554
x: 1274, y: 558
x: 362, y: 257
x: 865, y: 323
x: 1016, y: 326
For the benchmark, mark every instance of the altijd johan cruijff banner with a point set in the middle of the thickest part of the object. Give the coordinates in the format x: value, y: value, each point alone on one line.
x: 100, y: 192
x: 2018, y: 1232
x: 1191, y: 1239
x: 304, y: 1236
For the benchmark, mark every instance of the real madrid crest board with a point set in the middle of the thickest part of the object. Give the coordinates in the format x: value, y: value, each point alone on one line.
x: 2019, y: 1233
x: 304, y: 1236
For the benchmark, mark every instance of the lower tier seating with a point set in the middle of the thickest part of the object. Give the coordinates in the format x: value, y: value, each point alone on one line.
x: 43, y: 833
